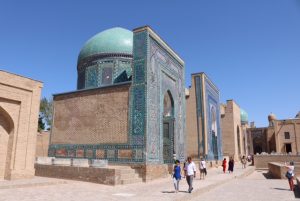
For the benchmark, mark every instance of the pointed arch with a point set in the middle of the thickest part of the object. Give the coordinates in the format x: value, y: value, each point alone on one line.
x: 6, y: 139
x: 168, y: 128
x: 168, y: 104
x: 6, y: 121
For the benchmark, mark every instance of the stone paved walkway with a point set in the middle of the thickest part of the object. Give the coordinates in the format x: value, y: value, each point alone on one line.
x: 252, y: 188
x: 217, y: 186
x: 47, y: 189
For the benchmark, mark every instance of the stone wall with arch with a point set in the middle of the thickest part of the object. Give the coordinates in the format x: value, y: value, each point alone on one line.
x: 19, y: 108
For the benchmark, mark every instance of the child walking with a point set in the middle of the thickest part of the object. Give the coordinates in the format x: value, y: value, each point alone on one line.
x: 177, y: 175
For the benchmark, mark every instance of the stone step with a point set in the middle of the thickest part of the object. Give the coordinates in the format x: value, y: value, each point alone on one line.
x: 131, y: 181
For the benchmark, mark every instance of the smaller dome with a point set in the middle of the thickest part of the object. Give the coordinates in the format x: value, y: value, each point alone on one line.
x: 271, y: 117
x: 244, y: 116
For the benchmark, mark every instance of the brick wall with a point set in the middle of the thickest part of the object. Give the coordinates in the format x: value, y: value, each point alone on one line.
x: 96, y: 175
x: 19, y: 104
x: 96, y: 116
x: 42, y: 144
x: 191, y: 123
x: 229, y: 124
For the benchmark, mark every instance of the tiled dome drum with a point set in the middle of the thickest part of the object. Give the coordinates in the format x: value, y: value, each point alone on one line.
x: 244, y: 117
x: 105, y: 59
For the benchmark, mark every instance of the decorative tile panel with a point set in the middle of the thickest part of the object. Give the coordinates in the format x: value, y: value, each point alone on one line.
x: 89, y: 153
x: 214, y: 137
x: 139, y: 154
x: 61, y: 152
x: 110, y: 153
x: 164, y: 74
x: 71, y: 153
x: 80, y: 153
x: 123, y: 153
x: 138, y: 89
x: 91, y: 77
x: 200, y: 114
x: 100, y: 153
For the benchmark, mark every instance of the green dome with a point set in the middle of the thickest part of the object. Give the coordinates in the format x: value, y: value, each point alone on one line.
x: 115, y: 40
x: 244, y: 116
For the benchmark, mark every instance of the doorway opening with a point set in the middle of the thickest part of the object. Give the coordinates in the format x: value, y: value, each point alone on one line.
x: 168, y: 128
x: 288, y: 148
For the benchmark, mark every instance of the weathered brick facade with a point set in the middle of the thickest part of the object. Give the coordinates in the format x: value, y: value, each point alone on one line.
x: 234, y: 132
x: 42, y: 144
x: 204, y: 135
x: 19, y: 108
x: 94, y: 116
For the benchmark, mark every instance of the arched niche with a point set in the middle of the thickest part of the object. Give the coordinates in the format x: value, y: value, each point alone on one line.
x: 168, y: 128
x: 214, y: 131
x: 6, y: 131
x: 168, y: 105
x: 6, y: 121
x: 238, y: 139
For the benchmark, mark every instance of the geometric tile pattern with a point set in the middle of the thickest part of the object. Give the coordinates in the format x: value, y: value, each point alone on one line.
x: 92, y: 74
x: 213, y: 102
x: 138, y: 88
x: 210, y: 119
x: 165, y: 75
x: 200, y: 113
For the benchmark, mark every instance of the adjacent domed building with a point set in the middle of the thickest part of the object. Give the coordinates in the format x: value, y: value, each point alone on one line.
x: 234, y: 121
x: 244, y: 116
x: 281, y: 136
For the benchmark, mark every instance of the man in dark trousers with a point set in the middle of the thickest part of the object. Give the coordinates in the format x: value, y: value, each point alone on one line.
x: 190, y: 173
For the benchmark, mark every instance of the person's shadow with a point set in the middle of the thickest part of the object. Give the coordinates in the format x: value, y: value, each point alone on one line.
x: 282, y: 189
x: 174, y: 192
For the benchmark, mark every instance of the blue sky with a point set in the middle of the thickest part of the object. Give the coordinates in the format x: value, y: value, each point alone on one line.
x: 250, y: 49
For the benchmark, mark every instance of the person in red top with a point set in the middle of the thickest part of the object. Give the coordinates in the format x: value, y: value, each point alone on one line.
x: 224, y: 165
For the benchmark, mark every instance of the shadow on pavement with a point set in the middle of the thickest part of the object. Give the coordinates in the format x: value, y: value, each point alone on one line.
x: 267, y: 175
x: 282, y: 189
x: 174, y: 191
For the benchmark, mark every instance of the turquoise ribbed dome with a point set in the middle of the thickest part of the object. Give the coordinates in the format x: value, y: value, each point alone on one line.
x: 244, y: 116
x: 115, y: 40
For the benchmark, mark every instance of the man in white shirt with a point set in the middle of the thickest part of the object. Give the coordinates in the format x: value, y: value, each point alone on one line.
x: 190, y: 173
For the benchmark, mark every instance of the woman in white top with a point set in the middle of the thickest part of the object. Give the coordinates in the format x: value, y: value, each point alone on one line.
x: 290, y: 175
x: 202, y: 168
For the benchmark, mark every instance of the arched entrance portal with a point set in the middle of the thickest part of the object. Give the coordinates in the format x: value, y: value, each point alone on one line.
x: 214, y: 131
x: 168, y: 128
x: 6, y: 130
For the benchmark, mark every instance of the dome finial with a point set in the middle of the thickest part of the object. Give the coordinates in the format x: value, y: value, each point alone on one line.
x: 271, y: 116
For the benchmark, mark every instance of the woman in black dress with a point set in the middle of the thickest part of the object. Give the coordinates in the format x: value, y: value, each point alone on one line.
x: 230, y: 165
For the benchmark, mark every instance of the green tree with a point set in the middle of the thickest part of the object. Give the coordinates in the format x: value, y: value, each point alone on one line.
x: 41, y: 124
x: 46, y: 113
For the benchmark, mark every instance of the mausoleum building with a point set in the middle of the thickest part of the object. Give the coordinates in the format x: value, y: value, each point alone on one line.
x: 129, y: 106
